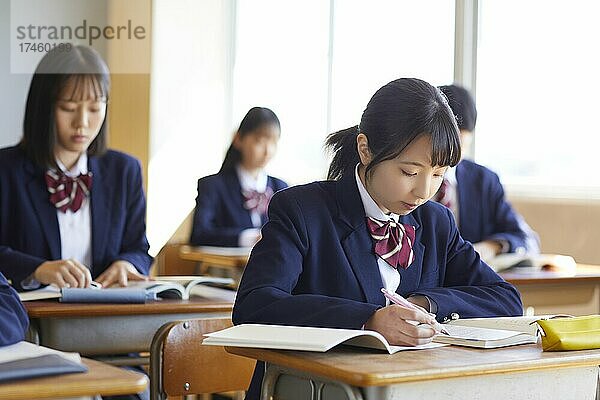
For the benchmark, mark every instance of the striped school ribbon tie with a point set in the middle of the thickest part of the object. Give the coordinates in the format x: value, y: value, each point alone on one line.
x: 444, y: 194
x: 393, y: 241
x: 257, y: 201
x: 66, y: 192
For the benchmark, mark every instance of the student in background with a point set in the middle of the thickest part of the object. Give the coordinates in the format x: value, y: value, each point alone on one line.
x: 476, y: 196
x: 70, y: 210
x: 13, y: 318
x: 329, y: 247
x: 231, y: 205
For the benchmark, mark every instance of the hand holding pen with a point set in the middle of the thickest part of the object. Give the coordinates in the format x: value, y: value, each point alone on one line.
x: 401, y: 301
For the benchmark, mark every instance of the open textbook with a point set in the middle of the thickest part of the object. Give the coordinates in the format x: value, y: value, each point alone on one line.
x: 178, y: 287
x: 26, y: 360
x: 532, y: 262
x: 477, y: 332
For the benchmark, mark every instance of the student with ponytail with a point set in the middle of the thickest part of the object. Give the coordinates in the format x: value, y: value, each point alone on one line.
x: 330, y: 247
x: 231, y: 205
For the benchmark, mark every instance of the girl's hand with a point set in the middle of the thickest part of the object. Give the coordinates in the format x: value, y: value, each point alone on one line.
x: 487, y: 249
x: 402, y: 326
x: 120, y: 272
x: 63, y: 273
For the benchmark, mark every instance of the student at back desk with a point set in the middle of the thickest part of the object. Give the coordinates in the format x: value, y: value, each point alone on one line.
x: 231, y: 205
x: 476, y: 196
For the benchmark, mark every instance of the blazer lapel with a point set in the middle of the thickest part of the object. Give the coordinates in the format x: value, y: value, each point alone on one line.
x: 410, y: 277
x: 357, y: 244
x: 232, y: 183
x: 100, y: 212
x: 45, y: 211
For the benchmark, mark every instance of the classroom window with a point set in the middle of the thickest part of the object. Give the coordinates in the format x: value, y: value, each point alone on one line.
x: 537, y: 90
x: 281, y: 63
x: 317, y: 63
x: 375, y: 42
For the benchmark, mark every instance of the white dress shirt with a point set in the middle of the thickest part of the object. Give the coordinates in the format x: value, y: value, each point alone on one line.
x: 76, y: 227
x: 248, y: 236
x: 389, y: 274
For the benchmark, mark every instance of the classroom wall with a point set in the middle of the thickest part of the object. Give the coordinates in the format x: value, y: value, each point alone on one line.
x: 565, y: 226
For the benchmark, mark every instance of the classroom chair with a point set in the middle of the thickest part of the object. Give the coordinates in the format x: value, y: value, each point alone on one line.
x: 180, y: 365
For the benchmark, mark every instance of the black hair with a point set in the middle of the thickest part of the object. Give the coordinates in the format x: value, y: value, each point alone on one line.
x: 84, y: 67
x: 254, y: 119
x: 397, y: 114
x: 463, y: 106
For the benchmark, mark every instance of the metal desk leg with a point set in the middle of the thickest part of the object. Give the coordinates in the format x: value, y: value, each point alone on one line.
x: 290, y: 384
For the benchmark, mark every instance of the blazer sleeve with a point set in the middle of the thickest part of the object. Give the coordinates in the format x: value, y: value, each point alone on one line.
x: 509, y: 226
x: 469, y: 287
x: 134, y: 247
x: 266, y: 293
x: 204, y: 230
x: 13, y: 317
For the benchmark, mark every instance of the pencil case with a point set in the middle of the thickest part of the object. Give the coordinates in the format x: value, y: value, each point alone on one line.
x: 576, y: 333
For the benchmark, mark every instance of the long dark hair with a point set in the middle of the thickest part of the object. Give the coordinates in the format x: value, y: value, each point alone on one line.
x: 463, y: 106
x: 397, y: 114
x: 255, y: 118
x: 84, y: 66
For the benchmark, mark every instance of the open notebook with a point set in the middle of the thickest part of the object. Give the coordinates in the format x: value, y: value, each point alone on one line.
x: 525, y: 263
x: 301, y: 338
x: 477, y: 332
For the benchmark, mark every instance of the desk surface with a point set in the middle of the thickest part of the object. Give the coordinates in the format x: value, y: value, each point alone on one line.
x: 191, y: 253
x: 53, y: 308
x: 362, y: 368
x: 102, y: 379
x: 584, y: 273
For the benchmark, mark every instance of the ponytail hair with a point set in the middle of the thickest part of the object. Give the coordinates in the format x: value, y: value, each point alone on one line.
x: 254, y: 119
x: 345, y: 153
x: 397, y: 114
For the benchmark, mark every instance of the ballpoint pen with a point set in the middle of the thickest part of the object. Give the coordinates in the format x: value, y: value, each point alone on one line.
x: 401, y: 301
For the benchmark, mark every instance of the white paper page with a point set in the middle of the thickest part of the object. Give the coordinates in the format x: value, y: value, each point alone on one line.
x: 474, y: 333
x: 48, y: 292
x: 23, y: 350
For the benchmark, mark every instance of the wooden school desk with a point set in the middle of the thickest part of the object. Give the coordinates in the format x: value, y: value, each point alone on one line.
x: 109, y: 329
x: 237, y: 259
x: 452, y: 372
x: 555, y: 292
x: 101, y: 379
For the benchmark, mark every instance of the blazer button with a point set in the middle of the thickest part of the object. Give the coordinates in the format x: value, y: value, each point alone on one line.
x: 454, y: 316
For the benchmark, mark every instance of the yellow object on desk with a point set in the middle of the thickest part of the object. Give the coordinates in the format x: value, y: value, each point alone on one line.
x: 577, y: 333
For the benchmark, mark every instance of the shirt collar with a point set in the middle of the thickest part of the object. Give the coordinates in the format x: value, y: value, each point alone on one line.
x: 80, y: 166
x: 450, y: 175
x: 371, y: 208
x: 248, y: 182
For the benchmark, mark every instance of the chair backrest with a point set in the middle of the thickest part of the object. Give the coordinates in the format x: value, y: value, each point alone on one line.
x: 180, y: 365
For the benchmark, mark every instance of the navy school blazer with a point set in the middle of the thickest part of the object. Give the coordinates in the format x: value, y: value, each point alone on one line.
x: 29, y: 233
x: 13, y: 317
x: 315, y: 264
x: 484, y: 213
x: 220, y: 216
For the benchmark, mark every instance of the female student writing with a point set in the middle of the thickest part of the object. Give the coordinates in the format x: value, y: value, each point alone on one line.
x: 13, y: 317
x: 231, y: 205
x: 70, y: 210
x: 476, y: 196
x: 330, y: 247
